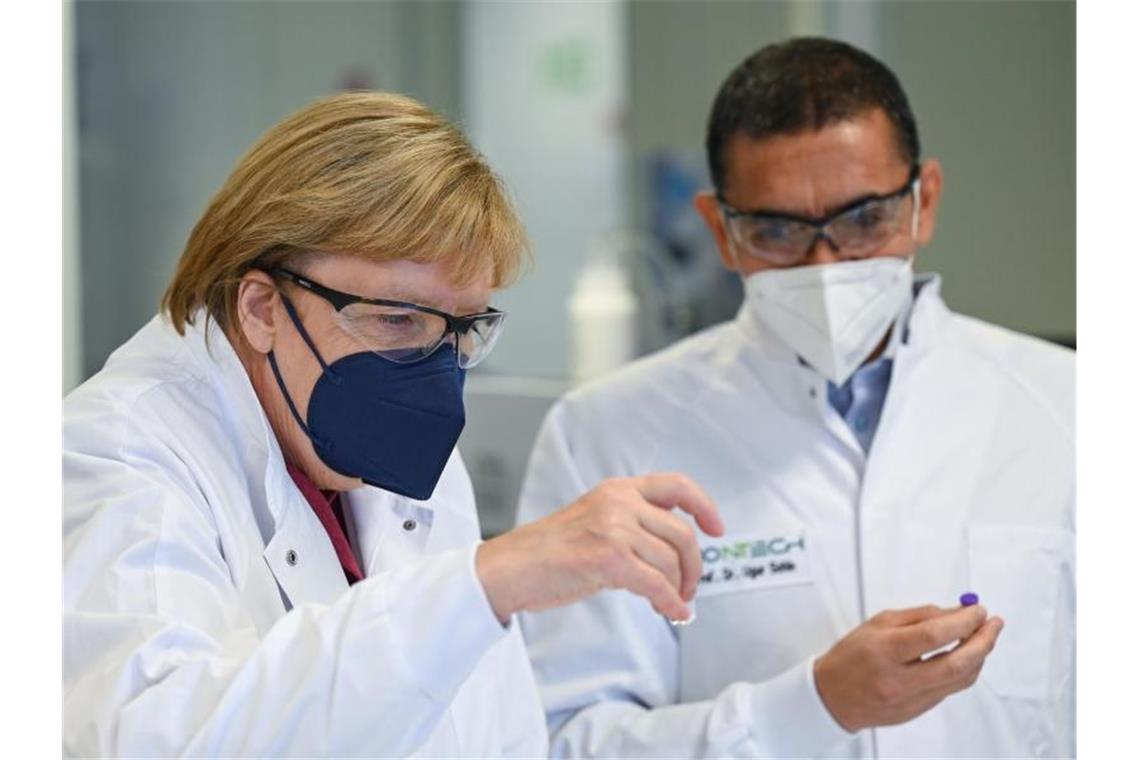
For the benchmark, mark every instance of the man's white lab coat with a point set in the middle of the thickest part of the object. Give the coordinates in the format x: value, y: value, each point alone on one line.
x: 968, y: 486
x: 205, y: 610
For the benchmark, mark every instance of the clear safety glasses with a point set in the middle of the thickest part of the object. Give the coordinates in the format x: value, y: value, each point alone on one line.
x: 854, y: 231
x: 406, y: 332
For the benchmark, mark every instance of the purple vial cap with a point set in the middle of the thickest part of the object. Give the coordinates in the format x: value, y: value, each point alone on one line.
x: 968, y: 599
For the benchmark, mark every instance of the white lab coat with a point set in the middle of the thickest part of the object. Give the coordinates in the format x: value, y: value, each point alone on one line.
x: 205, y: 611
x: 969, y: 486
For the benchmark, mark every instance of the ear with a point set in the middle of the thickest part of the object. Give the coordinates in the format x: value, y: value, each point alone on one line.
x: 257, y: 309
x: 929, y: 196
x: 706, y: 204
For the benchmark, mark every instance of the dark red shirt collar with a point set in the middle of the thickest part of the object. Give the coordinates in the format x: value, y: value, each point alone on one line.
x: 327, y: 506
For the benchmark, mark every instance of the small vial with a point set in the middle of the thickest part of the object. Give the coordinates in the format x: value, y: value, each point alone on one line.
x: 679, y: 623
x: 968, y: 599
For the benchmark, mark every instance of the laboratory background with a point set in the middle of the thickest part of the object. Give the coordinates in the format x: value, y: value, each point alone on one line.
x: 593, y: 113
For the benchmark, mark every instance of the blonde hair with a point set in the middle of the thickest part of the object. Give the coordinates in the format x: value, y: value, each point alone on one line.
x: 372, y: 174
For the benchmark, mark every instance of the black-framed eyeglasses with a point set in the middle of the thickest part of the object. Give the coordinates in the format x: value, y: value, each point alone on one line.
x: 405, y: 332
x: 856, y: 230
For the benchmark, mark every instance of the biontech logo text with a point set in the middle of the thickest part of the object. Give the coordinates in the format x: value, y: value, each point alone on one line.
x: 757, y: 549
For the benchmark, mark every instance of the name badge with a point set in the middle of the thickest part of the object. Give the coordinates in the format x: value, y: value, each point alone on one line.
x: 749, y: 562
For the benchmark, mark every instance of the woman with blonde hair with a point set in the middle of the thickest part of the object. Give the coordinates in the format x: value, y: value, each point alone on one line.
x: 270, y: 541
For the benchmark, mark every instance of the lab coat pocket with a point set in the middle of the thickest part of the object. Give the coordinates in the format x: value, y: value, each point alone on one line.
x: 1018, y: 571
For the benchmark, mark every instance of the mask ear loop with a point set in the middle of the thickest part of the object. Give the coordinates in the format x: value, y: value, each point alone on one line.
x: 305, y: 335
x: 288, y: 397
x: 281, y: 380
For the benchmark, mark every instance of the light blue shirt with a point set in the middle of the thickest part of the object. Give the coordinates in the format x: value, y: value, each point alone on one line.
x: 859, y: 401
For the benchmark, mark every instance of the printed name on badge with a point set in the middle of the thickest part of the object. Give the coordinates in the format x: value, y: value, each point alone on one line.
x: 754, y: 561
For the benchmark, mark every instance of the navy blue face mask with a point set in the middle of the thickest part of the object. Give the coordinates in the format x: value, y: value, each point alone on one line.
x: 392, y: 425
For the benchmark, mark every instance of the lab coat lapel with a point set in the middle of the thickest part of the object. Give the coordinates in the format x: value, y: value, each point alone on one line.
x: 926, y: 469
x: 933, y: 386
x: 928, y: 316
x: 299, y: 554
x: 772, y: 364
x: 795, y: 385
x: 378, y: 517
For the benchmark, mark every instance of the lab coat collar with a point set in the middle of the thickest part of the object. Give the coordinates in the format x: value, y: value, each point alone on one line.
x: 212, y: 348
x: 928, y: 317
x: 297, y: 549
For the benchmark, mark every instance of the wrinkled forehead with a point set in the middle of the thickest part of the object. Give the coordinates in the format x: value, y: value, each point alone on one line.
x: 813, y: 172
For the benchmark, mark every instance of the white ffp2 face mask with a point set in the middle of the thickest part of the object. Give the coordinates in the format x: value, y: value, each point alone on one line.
x: 832, y: 315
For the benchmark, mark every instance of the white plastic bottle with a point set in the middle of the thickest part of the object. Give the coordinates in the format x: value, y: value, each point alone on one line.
x: 603, y: 313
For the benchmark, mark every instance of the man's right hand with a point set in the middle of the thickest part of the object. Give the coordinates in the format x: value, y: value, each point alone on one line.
x: 875, y: 676
x: 622, y: 534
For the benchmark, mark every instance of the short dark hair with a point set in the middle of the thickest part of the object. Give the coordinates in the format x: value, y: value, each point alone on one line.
x: 802, y: 83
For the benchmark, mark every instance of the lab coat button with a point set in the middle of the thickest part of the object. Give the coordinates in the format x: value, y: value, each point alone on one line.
x: 409, y: 525
x: 291, y: 557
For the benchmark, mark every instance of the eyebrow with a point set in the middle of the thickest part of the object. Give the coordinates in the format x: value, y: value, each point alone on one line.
x: 829, y: 213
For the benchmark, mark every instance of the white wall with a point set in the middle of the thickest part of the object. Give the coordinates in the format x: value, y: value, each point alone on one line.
x: 545, y: 99
x: 993, y: 86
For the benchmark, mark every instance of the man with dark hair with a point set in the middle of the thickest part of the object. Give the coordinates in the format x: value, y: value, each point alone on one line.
x: 880, y: 463
x: 801, y: 84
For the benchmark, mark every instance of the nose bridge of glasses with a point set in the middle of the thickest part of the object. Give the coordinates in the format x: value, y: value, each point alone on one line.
x: 817, y: 253
x: 822, y: 232
x: 461, y: 338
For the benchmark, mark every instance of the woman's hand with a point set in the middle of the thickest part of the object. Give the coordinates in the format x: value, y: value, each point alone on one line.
x: 622, y: 534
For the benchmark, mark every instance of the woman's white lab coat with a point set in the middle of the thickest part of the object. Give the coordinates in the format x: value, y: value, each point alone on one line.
x: 205, y: 611
x: 968, y: 486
